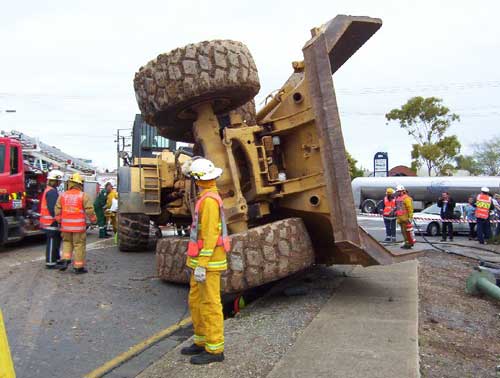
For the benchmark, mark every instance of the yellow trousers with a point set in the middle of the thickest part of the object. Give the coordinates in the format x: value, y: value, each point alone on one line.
x: 74, y: 243
x: 206, y: 312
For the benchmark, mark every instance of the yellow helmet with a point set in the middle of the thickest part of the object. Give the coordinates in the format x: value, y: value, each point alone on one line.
x: 76, y: 178
x: 389, y: 191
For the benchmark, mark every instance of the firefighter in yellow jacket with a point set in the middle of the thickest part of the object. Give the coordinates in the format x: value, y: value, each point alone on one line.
x: 110, y: 212
x: 404, y: 214
x: 207, y: 259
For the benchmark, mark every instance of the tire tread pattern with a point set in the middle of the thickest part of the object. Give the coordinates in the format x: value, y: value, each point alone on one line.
x: 197, y: 72
x: 260, y: 255
x: 134, y: 233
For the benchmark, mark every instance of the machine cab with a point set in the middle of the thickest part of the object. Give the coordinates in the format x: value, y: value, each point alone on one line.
x: 12, y: 192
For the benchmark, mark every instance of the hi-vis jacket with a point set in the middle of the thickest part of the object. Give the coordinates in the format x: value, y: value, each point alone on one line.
x: 71, y: 210
x: 483, y: 206
x: 47, y: 216
x: 207, y: 235
x: 404, y: 208
x: 389, y: 208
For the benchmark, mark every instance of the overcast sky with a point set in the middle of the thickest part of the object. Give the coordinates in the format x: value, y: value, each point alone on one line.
x: 67, y: 66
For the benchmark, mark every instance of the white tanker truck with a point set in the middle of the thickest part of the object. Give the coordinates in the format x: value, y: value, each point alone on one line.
x: 368, y: 191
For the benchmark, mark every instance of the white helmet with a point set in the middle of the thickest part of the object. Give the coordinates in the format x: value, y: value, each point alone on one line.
x: 55, y: 174
x: 399, y: 188
x: 485, y: 189
x: 203, y: 169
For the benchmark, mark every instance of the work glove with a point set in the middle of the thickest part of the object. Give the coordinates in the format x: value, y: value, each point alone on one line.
x: 200, y: 274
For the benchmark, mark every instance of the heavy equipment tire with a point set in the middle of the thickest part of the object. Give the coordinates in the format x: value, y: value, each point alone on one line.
x: 258, y: 256
x: 247, y: 113
x: 368, y: 206
x: 134, y: 233
x: 220, y: 71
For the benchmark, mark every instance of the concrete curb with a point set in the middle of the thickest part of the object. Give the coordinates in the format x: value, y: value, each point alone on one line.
x: 369, y: 328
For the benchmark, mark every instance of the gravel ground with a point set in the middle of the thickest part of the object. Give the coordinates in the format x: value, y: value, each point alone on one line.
x: 261, y: 334
x: 459, y: 334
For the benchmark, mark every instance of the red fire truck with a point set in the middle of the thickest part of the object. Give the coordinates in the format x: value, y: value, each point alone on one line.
x: 21, y: 188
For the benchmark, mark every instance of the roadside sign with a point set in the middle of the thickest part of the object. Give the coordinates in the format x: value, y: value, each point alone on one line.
x: 381, y: 164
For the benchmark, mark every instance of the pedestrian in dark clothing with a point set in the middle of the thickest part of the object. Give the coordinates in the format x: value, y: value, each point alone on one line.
x: 483, y: 204
x: 447, y: 205
x: 470, y: 216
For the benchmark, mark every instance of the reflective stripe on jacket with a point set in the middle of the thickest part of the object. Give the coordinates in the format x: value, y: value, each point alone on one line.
x: 72, y: 211
x: 209, y: 240
x: 483, y: 205
x: 400, y: 206
x: 404, y: 208
x: 196, y: 243
x: 46, y: 219
x: 389, y: 207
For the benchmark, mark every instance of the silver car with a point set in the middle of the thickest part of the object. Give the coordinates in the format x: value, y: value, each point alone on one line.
x: 432, y: 224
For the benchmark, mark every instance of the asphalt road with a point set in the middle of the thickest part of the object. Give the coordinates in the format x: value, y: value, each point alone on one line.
x: 64, y: 325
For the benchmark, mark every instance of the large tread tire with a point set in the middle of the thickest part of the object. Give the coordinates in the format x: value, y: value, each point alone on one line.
x: 247, y: 113
x: 134, y: 233
x: 258, y: 256
x: 220, y: 71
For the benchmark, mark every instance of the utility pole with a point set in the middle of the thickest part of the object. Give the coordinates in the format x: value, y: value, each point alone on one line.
x: 117, y: 150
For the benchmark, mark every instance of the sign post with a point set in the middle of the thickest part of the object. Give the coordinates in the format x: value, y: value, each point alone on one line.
x: 381, y: 164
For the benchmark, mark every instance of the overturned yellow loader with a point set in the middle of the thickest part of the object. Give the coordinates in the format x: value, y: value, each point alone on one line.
x: 286, y: 184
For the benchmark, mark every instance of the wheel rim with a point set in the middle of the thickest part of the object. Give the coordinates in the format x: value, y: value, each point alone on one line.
x: 368, y: 207
x: 433, y: 229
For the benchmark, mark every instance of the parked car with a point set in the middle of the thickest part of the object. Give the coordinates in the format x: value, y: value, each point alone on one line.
x: 432, y: 224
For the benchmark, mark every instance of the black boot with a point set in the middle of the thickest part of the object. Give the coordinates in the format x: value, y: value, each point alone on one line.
x: 63, y: 265
x: 206, y: 358
x: 192, y: 350
x: 80, y: 270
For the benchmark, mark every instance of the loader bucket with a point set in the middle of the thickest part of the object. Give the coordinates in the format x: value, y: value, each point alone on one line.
x: 329, y: 48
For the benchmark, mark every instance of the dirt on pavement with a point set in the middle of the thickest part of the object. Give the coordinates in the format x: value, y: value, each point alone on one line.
x: 459, y: 334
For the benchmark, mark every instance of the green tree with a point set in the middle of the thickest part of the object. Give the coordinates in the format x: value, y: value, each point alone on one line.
x: 487, y: 155
x: 427, y: 120
x: 468, y: 163
x: 354, y: 171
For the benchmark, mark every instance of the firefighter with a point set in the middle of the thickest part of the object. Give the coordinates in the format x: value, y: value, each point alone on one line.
x: 387, y: 208
x: 71, y: 208
x: 100, y: 207
x: 207, y: 250
x: 404, y: 214
x: 48, y: 221
x: 483, y: 205
x: 110, y: 210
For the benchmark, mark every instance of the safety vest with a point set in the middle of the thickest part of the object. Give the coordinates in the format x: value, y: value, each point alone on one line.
x: 72, y: 213
x: 400, y: 206
x: 483, y: 204
x: 45, y: 218
x: 389, y: 207
x: 195, y: 244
